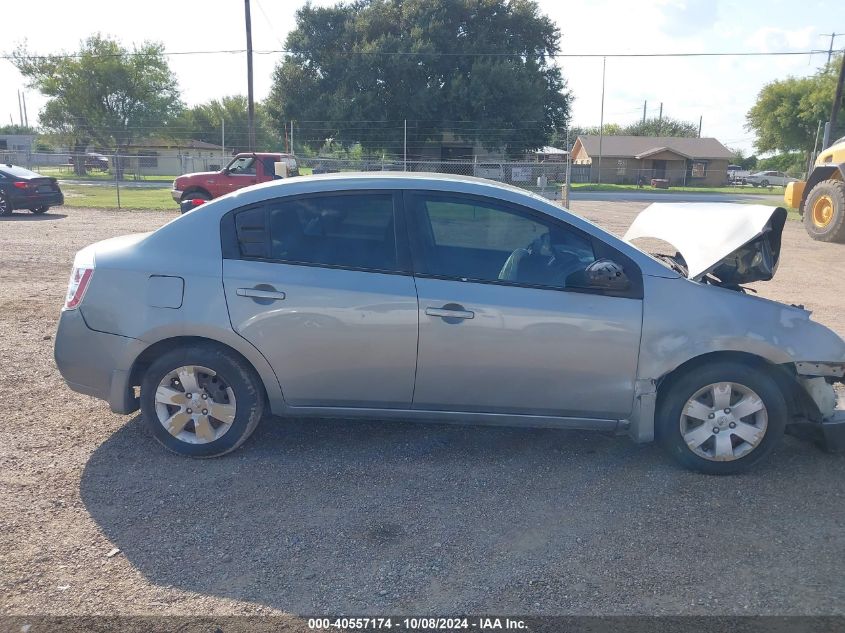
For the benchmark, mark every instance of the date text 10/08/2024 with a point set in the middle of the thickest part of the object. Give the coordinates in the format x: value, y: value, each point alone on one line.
x: 425, y: 623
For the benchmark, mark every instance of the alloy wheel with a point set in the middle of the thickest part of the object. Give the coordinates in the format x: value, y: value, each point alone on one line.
x: 723, y: 421
x: 195, y: 405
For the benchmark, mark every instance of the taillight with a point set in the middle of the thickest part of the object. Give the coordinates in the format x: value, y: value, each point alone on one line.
x: 79, y: 280
x: 195, y: 202
x: 21, y: 185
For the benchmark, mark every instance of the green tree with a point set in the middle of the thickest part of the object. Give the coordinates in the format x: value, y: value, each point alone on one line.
x: 787, y: 113
x: 739, y: 158
x: 666, y: 126
x: 357, y: 70
x: 104, y: 93
x: 204, y: 123
x: 17, y: 129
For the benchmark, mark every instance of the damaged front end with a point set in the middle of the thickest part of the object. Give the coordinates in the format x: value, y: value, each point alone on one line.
x: 721, y: 244
x: 824, y: 407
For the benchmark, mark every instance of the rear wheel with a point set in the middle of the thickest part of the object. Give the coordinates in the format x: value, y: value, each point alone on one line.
x: 824, y: 211
x: 721, y: 419
x: 5, y: 205
x: 39, y: 210
x: 765, y: 183
x: 201, y: 400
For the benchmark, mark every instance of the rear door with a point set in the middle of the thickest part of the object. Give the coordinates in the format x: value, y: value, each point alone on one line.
x: 320, y: 284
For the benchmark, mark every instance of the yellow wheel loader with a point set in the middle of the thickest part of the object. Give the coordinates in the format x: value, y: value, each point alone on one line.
x: 821, y: 199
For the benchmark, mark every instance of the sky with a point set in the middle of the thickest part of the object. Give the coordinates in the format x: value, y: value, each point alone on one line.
x: 719, y: 89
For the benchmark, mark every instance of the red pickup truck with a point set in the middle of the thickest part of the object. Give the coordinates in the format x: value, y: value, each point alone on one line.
x: 244, y: 170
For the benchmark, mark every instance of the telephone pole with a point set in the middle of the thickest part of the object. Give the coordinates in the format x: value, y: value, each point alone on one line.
x: 250, y: 95
x: 830, y: 129
x: 20, y: 108
x: 833, y: 36
x: 645, y: 103
x: 601, y: 119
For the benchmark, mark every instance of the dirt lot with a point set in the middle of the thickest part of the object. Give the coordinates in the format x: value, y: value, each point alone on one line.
x: 377, y: 517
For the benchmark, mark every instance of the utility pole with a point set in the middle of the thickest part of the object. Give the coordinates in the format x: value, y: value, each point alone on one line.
x: 20, y: 108
x: 645, y: 103
x: 837, y: 103
x: 833, y: 36
x: 223, y: 140
x: 601, y: 120
x: 250, y: 95
x: 25, y: 117
x: 660, y: 119
x: 700, y: 121
x: 292, y: 148
x: 405, y: 146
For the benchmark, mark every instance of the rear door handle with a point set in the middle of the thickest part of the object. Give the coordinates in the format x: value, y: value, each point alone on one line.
x: 258, y: 293
x: 450, y: 311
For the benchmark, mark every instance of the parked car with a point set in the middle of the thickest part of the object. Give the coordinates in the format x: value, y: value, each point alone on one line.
x: 244, y: 170
x: 429, y: 297
x: 24, y: 189
x: 768, y: 178
x: 737, y: 174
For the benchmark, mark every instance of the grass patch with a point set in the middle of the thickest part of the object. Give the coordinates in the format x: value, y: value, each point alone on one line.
x: 66, y: 173
x: 103, y: 197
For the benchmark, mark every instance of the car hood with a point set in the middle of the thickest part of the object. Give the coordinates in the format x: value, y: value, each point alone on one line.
x: 736, y: 243
x: 197, y: 175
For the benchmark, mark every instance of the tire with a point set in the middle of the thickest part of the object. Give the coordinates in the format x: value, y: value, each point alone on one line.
x: 5, y: 205
x: 824, y: 211
x: 765, y: 183
x: 672, y: 422
x: 223, y: 379
x: 39, y: 210
x: 191, y: 195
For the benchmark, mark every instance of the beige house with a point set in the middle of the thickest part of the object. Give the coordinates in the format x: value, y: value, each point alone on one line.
x: 627, y: 159
x: 165, y: 157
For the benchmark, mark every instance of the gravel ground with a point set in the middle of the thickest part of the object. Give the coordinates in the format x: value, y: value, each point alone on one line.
x: 386, y: 517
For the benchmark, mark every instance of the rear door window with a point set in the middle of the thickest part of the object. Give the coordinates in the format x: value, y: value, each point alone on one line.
x: 354, y: 231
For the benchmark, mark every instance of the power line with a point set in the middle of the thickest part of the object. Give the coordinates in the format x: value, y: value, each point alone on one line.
x: 426, y: 54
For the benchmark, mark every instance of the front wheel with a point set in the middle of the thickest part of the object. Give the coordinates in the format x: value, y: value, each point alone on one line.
x: 721, y: 419
x: 765, y: 183
x: 196, y: 195
x: 824, y: 211
x: 201, y: 400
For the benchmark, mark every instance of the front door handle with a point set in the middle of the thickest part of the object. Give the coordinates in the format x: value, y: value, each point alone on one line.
x: 261, y: 293
x: 450, y: 311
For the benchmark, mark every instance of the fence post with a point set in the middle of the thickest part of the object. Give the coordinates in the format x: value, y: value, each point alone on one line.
x: 116, y: 178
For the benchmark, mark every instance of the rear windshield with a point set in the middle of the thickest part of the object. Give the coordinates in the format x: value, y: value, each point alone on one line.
x: 18, y: 172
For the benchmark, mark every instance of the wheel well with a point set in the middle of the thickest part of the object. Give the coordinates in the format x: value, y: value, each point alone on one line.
x: 784, y: 375
x: 196, y: 189
x: 150, y: 354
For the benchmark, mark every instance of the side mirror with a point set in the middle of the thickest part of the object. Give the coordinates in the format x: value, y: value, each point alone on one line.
x: 602, y: 274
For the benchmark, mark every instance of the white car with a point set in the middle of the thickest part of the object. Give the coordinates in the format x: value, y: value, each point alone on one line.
x: 767, y: 178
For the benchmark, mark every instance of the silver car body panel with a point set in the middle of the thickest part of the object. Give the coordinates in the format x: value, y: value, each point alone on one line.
x: 681, y: 320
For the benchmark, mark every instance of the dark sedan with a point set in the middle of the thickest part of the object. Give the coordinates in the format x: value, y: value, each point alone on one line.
x: 24, y: 189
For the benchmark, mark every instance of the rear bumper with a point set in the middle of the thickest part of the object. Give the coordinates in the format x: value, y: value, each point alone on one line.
x: 52, y: 199
x: 95, y: 363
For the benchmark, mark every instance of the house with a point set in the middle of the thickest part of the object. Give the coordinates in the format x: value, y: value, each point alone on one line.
x: 627, y: 159
x: 16, y: 148
x: 170, y: 157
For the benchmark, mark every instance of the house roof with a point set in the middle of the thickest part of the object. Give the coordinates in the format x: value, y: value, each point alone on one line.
x: 550, y: 150
x: 644, y: 146
x: 166, y: 143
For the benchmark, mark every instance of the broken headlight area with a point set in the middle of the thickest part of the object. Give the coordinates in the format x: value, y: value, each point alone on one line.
x: 824, y: 385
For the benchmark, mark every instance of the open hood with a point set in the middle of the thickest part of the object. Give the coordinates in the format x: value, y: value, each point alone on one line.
x: 736, y: 243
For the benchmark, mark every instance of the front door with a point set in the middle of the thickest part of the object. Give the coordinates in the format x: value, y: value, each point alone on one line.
x: 315, y: 283
x: 241, y: 173
x: 500, y: 332
x: 659, y: 168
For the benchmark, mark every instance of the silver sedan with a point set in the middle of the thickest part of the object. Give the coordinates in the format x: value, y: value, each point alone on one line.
x: 452, y: 299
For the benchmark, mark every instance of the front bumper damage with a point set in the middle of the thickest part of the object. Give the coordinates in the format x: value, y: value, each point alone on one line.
x: 818, y: 380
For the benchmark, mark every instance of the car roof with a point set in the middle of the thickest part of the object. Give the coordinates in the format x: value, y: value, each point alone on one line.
x: 18, y: 172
